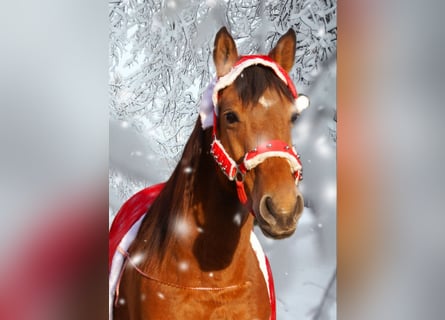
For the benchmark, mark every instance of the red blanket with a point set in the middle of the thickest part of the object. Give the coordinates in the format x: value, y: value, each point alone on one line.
x: 124, y: 229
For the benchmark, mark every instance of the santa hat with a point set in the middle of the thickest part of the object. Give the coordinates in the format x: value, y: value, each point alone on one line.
x: 209, y: 101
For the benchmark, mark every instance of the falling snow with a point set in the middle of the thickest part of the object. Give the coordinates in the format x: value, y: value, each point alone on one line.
x: 237, y: 219
x: 188, y: 170
x: 183, y: 266
x: 160, y: 63
x: 161, y: 295
x: 137, y: 258
x: 182, y: 228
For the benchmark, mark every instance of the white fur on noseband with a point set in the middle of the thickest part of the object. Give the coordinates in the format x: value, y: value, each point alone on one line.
x: 252, y: 163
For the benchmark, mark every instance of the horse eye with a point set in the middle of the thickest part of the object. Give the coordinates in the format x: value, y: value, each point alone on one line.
x: 294, y: 117
x: 231, y: 117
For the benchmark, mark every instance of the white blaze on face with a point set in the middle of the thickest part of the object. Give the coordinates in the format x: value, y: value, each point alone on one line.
x: 265, y: 101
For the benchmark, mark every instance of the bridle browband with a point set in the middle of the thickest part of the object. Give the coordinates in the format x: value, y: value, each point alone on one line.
x: 274, y: 148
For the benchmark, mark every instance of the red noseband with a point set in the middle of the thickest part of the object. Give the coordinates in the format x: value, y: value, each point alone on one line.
x: 270, y: 149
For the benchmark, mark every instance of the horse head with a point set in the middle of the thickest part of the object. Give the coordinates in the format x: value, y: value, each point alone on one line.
x: 255, y: 110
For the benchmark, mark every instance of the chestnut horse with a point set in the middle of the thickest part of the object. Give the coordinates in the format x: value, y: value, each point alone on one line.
x: 192, y: 257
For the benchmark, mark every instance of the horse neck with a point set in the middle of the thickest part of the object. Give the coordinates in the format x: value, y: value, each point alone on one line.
x: 224, y: 224
x: 217, y: 230
x: 196, y: 225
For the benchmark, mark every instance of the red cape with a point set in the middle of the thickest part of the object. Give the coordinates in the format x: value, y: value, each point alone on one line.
x: 133, y: 210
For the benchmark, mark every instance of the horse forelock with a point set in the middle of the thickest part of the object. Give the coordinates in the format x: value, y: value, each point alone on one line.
x: 255, y: 80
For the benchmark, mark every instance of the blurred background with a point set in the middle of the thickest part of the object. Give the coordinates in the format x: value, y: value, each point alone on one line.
x: 161, y: 62
x: 55, y: 111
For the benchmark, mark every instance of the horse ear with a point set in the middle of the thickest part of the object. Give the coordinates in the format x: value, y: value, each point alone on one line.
x: 284, y: 51
x: 224, y: 52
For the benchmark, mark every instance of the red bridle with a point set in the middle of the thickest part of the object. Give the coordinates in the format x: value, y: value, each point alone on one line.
x: 273, y: 148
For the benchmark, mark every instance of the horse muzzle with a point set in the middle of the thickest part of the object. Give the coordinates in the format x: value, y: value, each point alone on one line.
x: 278, y: 219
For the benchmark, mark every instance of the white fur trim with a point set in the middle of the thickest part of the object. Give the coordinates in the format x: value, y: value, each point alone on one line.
x: 209, y: 100
x: 206, y: 106
x: 256, y: 246
x: 228, y: 79
x: 301, y: 103
x: 252, y: 163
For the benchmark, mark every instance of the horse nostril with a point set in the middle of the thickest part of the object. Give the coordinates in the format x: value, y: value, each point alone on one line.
x: 278, y: 213
x: 273, y: 211
x: 269, y: 206
x: 267, y: 211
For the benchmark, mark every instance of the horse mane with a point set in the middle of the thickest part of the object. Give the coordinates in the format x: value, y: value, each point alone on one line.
x: 175, y: 198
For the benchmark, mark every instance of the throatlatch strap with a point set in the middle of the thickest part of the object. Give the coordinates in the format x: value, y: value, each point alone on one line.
x: 242, y: 196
